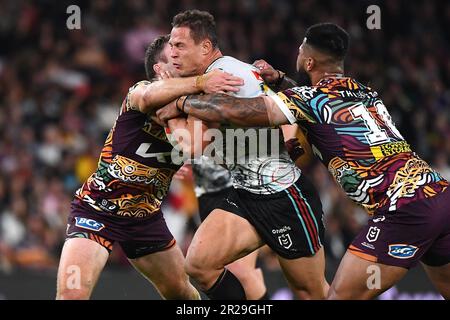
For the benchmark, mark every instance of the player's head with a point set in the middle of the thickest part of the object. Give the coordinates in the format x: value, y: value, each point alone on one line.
x: 157, y: 57
x: 323, y: 49
x: 193, y: 40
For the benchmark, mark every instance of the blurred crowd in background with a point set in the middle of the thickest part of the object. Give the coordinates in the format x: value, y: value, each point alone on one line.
x: 60, y: 91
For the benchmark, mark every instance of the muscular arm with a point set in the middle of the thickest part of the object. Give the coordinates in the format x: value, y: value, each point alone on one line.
x: 243, y: 112
x: 147, y: 97
x: 159, y: 93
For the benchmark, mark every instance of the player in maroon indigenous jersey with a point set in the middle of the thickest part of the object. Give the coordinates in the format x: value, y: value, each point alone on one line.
x: 120, y: 202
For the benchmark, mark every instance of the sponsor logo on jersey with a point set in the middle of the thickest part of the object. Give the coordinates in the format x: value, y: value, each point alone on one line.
x: 402, y: 251
x: 232, y: 203
x: 107, y: 206
x: 368, y: 245
x: 281, y: 230
x: 89, y: 224
x: 379, y: 219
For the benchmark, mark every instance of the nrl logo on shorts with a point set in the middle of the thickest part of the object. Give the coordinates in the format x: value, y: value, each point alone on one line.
x: 285, y: 241
x: 372, y: 234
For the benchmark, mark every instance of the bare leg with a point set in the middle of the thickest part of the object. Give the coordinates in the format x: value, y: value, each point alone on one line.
x: 220, y: 240
x: 165, y: 270
x: 306, y: 276
x: 440, y: 276
x: 81, y: 263
x: 251, y: 278
x: 358, y: 279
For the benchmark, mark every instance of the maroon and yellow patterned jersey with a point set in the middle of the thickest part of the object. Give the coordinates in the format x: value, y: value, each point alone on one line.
x: 134, y: 170
x: 351, y: 131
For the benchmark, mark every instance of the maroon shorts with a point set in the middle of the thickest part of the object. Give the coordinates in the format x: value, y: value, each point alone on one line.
x: 417, y: 231
x: 137, y: 237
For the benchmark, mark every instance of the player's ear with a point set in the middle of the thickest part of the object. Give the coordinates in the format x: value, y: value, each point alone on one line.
x: 309, y: 64
x: 206, y: 46
x: 157, y: 69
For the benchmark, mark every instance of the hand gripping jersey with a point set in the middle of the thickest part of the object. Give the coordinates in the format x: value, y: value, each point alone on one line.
x: 134, y: 170
x: 351, y: 131
x: 252, y: 169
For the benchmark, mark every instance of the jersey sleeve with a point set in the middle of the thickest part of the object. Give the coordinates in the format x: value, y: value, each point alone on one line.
x: 127, y: 106
x: 294, y: 105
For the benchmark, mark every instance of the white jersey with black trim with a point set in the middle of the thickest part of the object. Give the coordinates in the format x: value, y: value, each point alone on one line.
x: 254, y: 169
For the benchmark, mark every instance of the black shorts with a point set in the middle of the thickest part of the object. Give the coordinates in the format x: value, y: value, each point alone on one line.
x: 289, y: 222
x: 137, y: 237
x: 207, y: 202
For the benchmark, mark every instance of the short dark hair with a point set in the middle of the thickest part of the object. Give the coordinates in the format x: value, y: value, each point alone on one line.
x: 153, y: 55
x: 328, y: 38
x: 201, y: 24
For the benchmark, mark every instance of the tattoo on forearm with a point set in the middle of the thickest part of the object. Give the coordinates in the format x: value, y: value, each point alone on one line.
x: 225, y: 108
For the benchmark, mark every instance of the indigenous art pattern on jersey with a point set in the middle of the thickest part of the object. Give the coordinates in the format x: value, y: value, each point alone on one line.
x: 134, y: 169
x: 351, y: 131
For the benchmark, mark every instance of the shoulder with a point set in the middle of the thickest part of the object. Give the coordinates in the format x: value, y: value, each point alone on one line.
x: 252, y: 80
x: 134, y: 94
x: 139, y: 84
x: 227, y: 63
x: 304, y: 93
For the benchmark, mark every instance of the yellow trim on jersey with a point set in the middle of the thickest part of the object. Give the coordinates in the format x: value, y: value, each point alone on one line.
x: 377, y: 153
x: 285, y: 105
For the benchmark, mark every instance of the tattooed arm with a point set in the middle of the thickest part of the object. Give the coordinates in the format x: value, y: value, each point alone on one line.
x: 244, y: 112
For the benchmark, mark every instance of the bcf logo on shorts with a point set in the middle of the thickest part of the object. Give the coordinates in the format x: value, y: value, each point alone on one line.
x: 372, y: 234
x: 402, y: 251
x: 89, y: 224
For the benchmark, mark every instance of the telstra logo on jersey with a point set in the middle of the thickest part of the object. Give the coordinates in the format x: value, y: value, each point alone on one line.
x: 89, y: 224
x: 402, y: 251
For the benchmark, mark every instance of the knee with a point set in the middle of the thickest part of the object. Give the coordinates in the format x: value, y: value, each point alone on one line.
x: 201, y: 271
x: 178, y: 289
x: 74, y: 287
x: 311, y: 291
x: 246, y: 275
x: 305, y: 294
x: 82, y: 293
x: 194, y: 268
x: 336, y: 294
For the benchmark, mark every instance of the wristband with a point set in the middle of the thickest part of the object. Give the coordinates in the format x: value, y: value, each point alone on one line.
x: 182, y: 105
x: 200, y: 82
x: 280, y: 77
